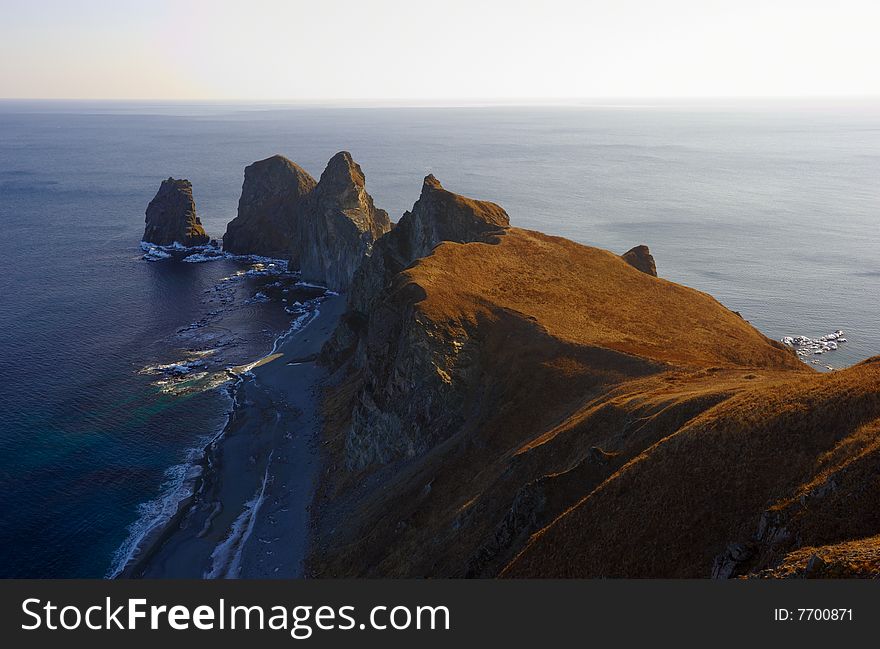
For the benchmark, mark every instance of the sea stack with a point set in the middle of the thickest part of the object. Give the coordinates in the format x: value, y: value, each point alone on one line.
x: 171, y: 216
x: 341, y: 227
x: 272, y: 205
x: 640, y: 258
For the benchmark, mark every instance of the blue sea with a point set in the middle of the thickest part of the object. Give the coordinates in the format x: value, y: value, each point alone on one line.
x: 772, y: 208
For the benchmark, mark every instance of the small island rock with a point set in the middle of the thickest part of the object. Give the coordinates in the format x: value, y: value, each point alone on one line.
x: 171, y: 216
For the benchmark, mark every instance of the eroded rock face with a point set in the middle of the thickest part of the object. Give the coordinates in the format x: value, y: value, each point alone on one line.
x: 398, y: 351
x: 438, y: 215
x: 324, y: 228
x: 641, y: 259
x: 341, y: 226
x: 171, y: 216
x: 273, y: 204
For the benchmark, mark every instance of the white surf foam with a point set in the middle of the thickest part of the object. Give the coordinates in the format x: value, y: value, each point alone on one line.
x: 809, y: 348
x: 208, y: 252
x: 200, y: 257
x: 181, y: 479
x: 179, y: 485
x: 155, y: 252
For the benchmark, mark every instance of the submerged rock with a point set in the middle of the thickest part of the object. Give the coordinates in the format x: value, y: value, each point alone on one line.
x: 341, y: 225
x: 171, y: 216
x: 272, y: 205
x: 641, y: 259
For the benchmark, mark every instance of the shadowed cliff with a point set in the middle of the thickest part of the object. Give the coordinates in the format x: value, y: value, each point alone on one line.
x: 324, y: 228
x: 171, y: 216
x: 274, y: 199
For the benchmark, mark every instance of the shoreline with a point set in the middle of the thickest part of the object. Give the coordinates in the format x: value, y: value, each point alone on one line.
x: 247, y: 511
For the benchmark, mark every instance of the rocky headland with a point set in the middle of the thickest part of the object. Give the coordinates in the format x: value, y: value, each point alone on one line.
x: 507, y: 403
x: 491, y: 401
x: 171, y: 216
x: 641, y: 258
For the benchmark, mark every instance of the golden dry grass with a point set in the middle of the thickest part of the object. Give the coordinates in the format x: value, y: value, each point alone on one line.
x: 629, y: 425
x: 672, y: 508
x: 859, y: 559
x: 589, y: 296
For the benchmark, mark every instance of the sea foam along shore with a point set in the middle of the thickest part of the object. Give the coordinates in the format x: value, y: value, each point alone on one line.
x: 808, y: 348
x: 199, y: 254
x: 183, y: 481
x: 259, y: 475
x: 176, y: 492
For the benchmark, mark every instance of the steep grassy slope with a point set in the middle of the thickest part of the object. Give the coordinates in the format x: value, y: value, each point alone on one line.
x: 772, y: 469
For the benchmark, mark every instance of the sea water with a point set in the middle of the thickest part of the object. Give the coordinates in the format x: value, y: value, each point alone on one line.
x: 774, y: 209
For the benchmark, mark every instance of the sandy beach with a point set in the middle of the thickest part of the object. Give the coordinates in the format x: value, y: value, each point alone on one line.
x: 250, y: 512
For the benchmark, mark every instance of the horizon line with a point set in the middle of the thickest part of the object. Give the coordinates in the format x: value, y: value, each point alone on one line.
x: 459, y: 100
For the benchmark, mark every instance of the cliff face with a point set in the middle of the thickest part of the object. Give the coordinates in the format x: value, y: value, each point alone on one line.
x: 324, y: 228
x: 396, y: 358
x: 171, y: 216
x: 509, y: 403
x: 271, y: 209
x: 438, y: 215
x: 341, y: 226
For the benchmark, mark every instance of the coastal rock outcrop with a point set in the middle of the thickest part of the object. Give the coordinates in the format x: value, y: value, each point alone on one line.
x: 341, y: 225
x: 437, y: 216
x: 271, y: 210
x: 382, y: 431
x: 440, y: 215
x: 171, y: 216
x: 325, y: 229
x: 640, y: 258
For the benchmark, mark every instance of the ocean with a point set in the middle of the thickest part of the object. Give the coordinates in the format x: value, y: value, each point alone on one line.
x: 771, y: 208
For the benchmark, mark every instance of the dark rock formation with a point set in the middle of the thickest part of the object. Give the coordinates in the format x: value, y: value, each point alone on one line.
x: 340, y: 228
x: 171, y: 216
x: 438, y: 215
x: 641, y: 259
x: 325, y: 228
x: 273, y: 203
x: 381, y: 431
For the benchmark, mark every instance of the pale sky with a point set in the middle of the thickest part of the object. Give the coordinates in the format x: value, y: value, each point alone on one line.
x: 438, y: 50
